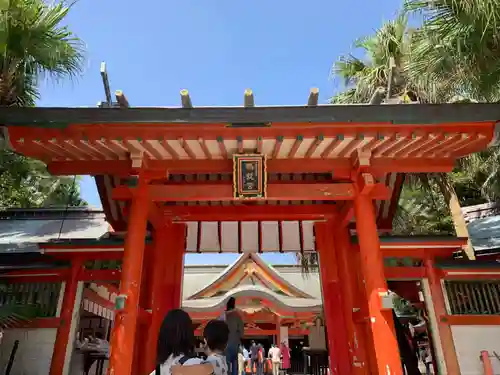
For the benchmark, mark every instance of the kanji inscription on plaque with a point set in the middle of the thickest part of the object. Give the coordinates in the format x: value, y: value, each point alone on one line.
x: 249, y: 176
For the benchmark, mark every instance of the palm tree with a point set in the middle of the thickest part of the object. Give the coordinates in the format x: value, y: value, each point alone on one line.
x: 33, y: 45
x: 395, y: 60
x: 363, y: 77
x: 457, y: 46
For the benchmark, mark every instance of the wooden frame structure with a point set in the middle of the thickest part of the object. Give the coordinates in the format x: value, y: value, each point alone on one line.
x: 326, y: 164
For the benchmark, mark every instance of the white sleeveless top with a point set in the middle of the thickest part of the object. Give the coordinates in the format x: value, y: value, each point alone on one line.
x: 166, y: 367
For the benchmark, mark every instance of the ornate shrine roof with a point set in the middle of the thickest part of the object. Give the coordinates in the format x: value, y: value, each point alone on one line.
x: 256, y: 286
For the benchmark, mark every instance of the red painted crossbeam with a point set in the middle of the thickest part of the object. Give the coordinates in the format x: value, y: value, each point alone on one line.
x: 404, y: 273
x: 219, y: 192
x: 248, y: 212
x: 340, y: 168
x: 391, y: 273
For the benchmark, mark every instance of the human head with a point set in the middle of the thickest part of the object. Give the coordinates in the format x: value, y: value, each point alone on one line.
x: 216, y: 334
x: 176, y: 336
x: 231, y: 304
x: 253, y: 342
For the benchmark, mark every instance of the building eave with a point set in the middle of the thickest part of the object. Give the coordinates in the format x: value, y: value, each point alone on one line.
x: 423, y: 114
x: 217, y: 303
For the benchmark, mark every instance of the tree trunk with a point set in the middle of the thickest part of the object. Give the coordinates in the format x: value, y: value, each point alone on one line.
x: 459, y: 223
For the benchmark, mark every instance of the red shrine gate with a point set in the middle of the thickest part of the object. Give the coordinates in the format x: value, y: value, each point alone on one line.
x: 323, y: 164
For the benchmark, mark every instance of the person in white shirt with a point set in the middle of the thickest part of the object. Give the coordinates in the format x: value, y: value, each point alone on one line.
x: 176, y: 343
x: 241, y: 361
x: 275, y: 356
x: 216, y: 335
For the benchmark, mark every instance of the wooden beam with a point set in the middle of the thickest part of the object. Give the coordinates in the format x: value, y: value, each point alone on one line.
x: 470, y: 274
x: 249, y: 212
x: 186, y: 99
x: 313, y: 97
x: 121, y: 99
x: 366, y: 183
x: 346, y: 213
x: 219, y: 192
x: 386, y: 222
x: 68, y: 252
x: 418, y: 253
x: 391, y: 273
x: 41, y: 275
x: 341, y: 168
x: 100, y: 275
x: 248, y: 98
x: 404, y: 273
x: 444, y: 116
x: 473, y: 320
x: 210, y: 183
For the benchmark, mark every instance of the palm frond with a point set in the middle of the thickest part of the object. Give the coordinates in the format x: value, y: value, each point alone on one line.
x: 457, y: 46
x: 35, y: 45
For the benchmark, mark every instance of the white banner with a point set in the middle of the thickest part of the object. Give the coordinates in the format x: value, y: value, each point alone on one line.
x: 284, y: 334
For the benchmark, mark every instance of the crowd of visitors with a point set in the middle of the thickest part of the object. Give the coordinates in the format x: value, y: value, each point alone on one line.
x: 224, y: 353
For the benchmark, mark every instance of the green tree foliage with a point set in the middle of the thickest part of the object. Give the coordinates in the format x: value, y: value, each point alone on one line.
x: 457, y: 46
x: 34, y: 45
x: 452, y: 56
x: 422, y: 211
x: 362, y: 76
x: 456, y: 73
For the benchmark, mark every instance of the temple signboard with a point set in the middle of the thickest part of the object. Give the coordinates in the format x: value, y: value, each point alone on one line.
x: 249, y: 176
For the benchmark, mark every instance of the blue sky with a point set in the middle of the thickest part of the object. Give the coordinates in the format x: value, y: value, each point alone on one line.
x: 215, y: 49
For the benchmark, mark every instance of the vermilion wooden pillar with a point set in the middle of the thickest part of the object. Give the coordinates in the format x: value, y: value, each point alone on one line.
x: 278, y: 330
x: 361, y: 316
x: 445, y: 334
x: 159, y: 261
x: 141, y: 351
x: 175, y: 268
x: 348, y: 271
x: 372, y: 265
x: 125, y: 324
x: 63, y: 332
x: 332, y: 301
x: 168, y: 258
